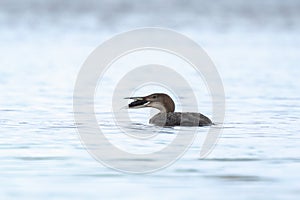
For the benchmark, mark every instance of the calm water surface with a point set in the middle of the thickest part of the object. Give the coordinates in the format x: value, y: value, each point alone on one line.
x: 257, y: 156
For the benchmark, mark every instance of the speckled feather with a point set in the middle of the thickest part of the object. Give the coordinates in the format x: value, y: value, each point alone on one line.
x: 180, y: 119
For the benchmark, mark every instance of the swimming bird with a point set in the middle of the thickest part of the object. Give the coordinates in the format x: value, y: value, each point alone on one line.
x: 167, y: 116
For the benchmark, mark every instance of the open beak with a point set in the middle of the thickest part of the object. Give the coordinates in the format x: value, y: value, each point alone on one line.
x: 139, y: 102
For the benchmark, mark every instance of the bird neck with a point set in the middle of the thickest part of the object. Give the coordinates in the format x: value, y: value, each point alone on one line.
x: 168, y: 105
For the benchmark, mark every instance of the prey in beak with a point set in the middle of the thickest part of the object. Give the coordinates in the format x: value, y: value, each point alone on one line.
x: 160, y: 101
x: 139, y: 102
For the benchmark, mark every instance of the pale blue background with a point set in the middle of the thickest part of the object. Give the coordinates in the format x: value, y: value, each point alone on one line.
x: 255, y: 46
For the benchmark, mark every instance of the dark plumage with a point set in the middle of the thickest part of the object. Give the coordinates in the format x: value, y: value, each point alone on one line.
x: 180, y: 119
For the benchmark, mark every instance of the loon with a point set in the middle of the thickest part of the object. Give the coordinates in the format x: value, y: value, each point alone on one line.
x: 167, y: 116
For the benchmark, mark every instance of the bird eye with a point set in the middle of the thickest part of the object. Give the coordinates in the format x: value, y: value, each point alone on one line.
x: 154, y: 96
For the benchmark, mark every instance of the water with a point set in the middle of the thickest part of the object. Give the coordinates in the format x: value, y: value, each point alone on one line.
x: 257, y: 156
